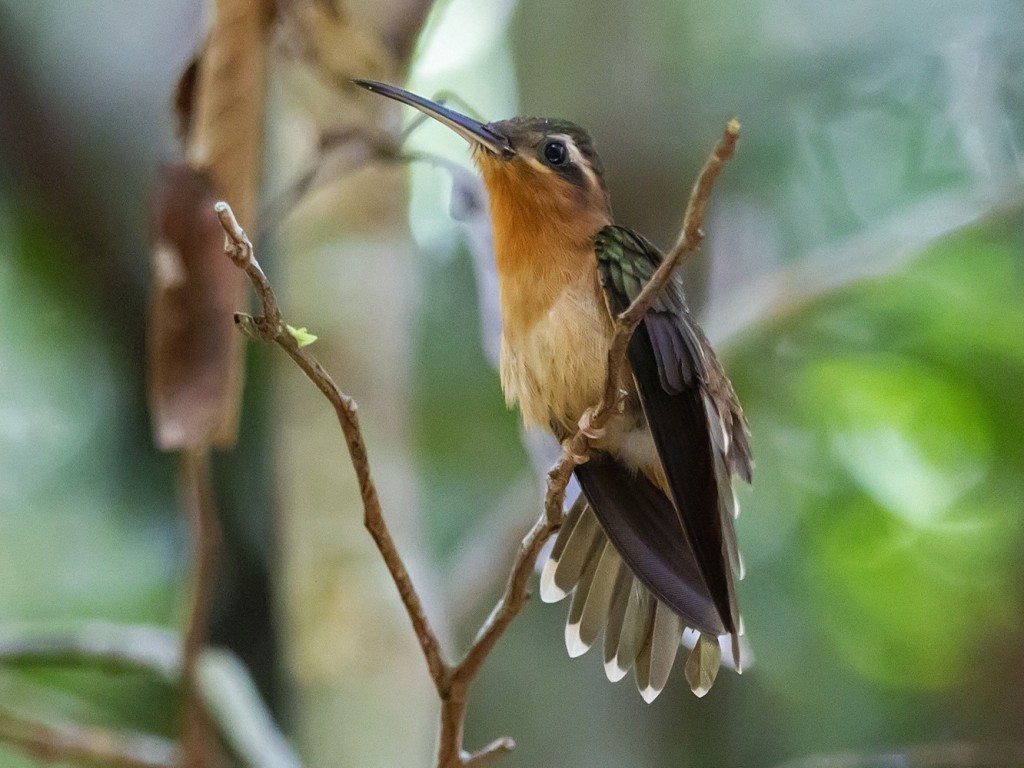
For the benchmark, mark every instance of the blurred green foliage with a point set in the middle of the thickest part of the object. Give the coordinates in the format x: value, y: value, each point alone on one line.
x: 78, y: 542
x: 899, y: 423
x: 885, y: 521
x: 463, y: 479
x: 60, y: 486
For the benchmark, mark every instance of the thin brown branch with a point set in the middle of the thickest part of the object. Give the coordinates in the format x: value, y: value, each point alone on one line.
x: 71, y: 743
x: 509, y: 605
x: 512, y: 601
x: 575, y: 448
x: 690, y: 238
x: 198, y: 739
x: 515, y: 596
x: 692, y: 234
x: 453, y: 683
x: 482, y: 567
x: 270, y: 327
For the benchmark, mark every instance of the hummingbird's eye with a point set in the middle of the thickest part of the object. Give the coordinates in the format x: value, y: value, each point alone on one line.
x: 555, y: 152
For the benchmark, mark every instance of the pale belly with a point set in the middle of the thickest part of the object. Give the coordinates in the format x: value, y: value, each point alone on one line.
x: 557, y: 369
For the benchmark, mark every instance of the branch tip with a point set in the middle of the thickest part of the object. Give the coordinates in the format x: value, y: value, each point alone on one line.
x: 490, y: 753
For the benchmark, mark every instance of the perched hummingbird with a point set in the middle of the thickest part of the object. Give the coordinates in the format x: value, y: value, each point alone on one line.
x: 649, y: 548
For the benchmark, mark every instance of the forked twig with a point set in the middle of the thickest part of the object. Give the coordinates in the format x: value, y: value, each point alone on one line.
x: 269, y: 326
x: 452, y: 681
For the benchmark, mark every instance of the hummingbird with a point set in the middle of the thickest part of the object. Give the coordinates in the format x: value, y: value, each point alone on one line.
x: 648, y: 549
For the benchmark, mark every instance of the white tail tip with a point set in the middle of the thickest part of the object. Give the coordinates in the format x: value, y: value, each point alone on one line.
x: 573, y: 643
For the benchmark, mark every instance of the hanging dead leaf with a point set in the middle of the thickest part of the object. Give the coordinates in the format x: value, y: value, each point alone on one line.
x: 226, y: 97
x: 185, y: 98
x: 195, y: 353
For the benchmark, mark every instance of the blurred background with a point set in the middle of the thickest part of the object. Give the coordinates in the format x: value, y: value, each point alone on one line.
x: 863, y: 279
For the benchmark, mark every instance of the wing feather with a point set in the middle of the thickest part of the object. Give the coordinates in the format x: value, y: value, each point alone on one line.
x: 697, y: 423
x: 549, y: 591
x: 644, y: 527
x: 681, y: 433
x: 616, y: 621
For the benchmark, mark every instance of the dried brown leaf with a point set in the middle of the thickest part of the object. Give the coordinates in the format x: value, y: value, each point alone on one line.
x: 185, y: 98
x: 226, y: 134
x: 195, y: 353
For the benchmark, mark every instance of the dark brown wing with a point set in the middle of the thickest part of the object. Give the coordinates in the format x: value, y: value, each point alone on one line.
x: 644, y: 527
x: 692, y: 412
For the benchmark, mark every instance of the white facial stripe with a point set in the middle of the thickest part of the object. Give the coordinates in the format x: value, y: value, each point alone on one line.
x: 574, y: 152
x: 575, y: 156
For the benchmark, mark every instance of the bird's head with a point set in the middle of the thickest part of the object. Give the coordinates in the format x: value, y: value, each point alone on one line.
x: 542, y: 175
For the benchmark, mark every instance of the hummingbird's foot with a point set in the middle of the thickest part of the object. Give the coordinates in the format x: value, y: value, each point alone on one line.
x: 587, y: 425
x: 578, y: 457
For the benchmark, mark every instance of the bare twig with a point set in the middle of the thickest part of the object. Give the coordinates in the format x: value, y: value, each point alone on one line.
x: 452, y: 682
x: 72, y: 743
x: 575, y: 450
x: 512, y: 601
x: 690, y: 238
x: 270, y: 327
x: 482, y: 566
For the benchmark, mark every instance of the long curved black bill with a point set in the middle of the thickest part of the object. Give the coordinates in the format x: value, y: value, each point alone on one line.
x: 469, y: 129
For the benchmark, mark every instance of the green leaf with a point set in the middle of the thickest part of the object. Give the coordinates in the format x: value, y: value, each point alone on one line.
x: 302, y: 337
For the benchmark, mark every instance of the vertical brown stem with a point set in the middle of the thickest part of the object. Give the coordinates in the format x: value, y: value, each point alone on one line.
x: 198, y: 738
x: 453, y: 715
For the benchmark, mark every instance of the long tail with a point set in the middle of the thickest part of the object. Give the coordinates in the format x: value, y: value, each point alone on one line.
x: 639, y: 631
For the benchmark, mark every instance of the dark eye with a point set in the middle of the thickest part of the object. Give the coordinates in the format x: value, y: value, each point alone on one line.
x: 555, y: 152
